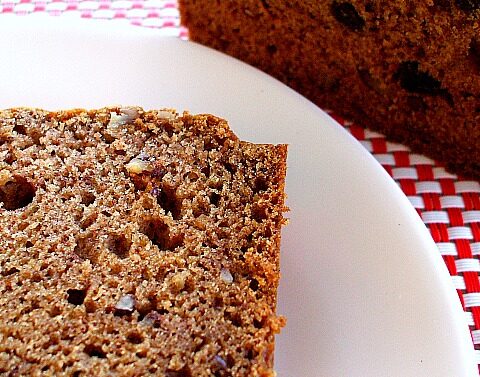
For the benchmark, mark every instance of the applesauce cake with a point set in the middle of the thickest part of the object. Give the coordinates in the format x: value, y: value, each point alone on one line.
x: 137, y: 243
x: 409, y: 69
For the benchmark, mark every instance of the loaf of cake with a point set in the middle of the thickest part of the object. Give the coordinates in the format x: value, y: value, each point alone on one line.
x: 409, y: 69
x: 137, y: 243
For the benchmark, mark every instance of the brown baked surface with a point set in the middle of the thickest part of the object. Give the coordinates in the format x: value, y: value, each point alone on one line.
x: 137, y: 243
x: 410, y: 69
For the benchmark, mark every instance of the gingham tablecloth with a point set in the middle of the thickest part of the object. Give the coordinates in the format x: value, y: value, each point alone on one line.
x: 447, y: 204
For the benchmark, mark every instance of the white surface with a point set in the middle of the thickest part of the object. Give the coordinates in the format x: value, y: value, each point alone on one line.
x: 364, y: 289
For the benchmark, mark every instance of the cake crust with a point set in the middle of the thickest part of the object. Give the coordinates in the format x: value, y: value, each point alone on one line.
x: 137, y: 243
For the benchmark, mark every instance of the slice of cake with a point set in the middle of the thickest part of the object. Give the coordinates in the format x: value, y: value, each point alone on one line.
x: 410, y: 69
x: 137, y: 243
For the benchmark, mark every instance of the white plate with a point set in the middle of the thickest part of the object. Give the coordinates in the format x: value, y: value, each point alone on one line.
x: 364, y: 289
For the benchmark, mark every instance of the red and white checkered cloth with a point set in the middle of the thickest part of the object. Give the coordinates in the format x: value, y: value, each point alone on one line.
x: 448, y: 205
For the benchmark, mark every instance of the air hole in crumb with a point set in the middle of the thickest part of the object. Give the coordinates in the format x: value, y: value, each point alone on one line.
x: 167, y: 199
x: 234, y: 318
x: 28, y: 244
x: 77, y: 373
x: 184, y: 372
x: 259, y: 213
x: 254, y: 285
x: 76, y: 296
x: 206, y: 171
x: 20, y: 129
x: 230, y: 361
x: 214, y: 198
x: 17, y: 193
x: 119, y: 245
x: 250, y: 354
x: 135, y: 337
x: 209, y: 144
x: 159, y: 233
x: 199, y: 346
x: 258, y: 324
x: 260, y: 184
x: 86, y: 248
x: 10, y: 271
x: 231, y: 168
x: 88, y: 197
x: 10, y: 158
x: 94, y: 351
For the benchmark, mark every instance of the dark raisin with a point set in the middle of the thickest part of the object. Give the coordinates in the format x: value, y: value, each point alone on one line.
x: 272, y: 49
x: 468, y: 5
x: 346, y: 14
x: 254, y: 285
x: 414, y: 80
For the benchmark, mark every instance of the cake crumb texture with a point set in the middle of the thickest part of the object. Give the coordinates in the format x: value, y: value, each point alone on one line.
x: 409, y: 69
x: 137, y: 243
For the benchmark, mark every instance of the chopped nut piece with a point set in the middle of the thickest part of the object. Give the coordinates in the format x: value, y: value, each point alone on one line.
x: 132, y: 112
x: 220, y: 361
x: 127, y: 115
x: 151, y: 319
x: 143, y: 156
x: 138, y: 166
x: 226, y: 275
x: 125, y: 305
x: 166, y: 114
x: 178, y: 281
